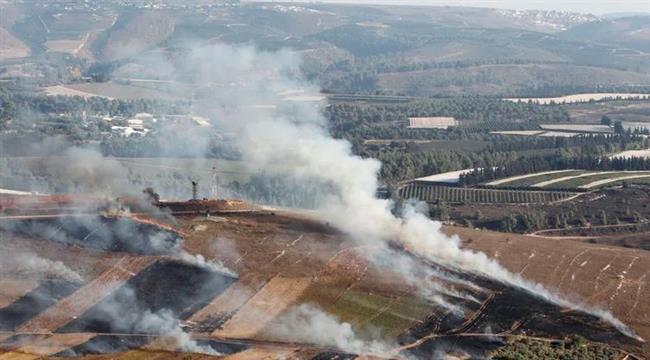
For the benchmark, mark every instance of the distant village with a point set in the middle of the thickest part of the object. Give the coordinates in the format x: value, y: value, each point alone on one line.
x: 142, y: 123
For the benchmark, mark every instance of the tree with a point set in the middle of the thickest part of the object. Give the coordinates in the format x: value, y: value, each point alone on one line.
x: 605, y: 120
x: 618, y: 128
x: 151, y: 195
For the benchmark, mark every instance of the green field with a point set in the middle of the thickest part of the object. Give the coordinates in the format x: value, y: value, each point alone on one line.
x: 369, y: 311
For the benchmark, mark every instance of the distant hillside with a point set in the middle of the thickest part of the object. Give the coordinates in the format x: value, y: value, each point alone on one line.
x: 136, y: 32
x: 550, y: 20
x: 633, y: 32
x: 498, y: 80
x: 362, y: 48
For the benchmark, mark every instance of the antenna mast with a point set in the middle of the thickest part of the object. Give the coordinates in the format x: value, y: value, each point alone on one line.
x: 195, y: 185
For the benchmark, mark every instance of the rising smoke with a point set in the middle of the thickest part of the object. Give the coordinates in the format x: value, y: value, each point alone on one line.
x: 31, y: 265
x: 309, y: 324
x: 291, y: 139
x: 296, y: 136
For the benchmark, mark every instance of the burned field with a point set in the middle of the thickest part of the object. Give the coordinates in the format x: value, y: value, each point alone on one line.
x: 136, y: 299
x: 117, y: 234
x: 179, y: 288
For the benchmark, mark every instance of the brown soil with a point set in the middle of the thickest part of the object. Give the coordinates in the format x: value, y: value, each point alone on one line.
x: 256, y: 353
x: 271, y: 301
x: 55, y: 343
x: 608, y: 277
x: 12, y: 289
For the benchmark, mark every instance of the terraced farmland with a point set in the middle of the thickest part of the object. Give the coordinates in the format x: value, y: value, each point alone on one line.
x: 433, y: 193
x: 531, y: 179
x: 580, y: 180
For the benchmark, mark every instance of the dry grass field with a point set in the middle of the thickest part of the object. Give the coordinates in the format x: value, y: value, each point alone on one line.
x: 432, y: 122
x: 12, y: 48
x: 604, y: 276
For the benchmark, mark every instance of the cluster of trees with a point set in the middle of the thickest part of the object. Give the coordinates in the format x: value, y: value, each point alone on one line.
x: 29, y: 101
x: 281, y: 190
x: 360, y: 121
x: 575, y: 348
x: 157, y: 145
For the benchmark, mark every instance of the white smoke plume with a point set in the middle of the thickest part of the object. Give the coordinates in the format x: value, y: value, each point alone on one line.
x: 309, y: 324
x: 200, y: 261
x: 33, y: 265
x: 296, y: 136
x: 166, y: 324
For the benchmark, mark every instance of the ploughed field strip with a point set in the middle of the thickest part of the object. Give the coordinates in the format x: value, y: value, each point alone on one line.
x: 274, y: 298
x: 568, y: 180
x: 524, y: 177
x: 221, y: 308
x: 48, y: 293
x: 434, y: 193
x: 166, y: 285
x: 68, y: 308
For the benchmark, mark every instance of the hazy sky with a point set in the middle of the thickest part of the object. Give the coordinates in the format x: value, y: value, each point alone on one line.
x: 587, y: 6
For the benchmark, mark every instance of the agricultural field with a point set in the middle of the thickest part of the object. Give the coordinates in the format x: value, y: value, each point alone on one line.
x: 432, y: 122
x: 61, y: 90
x: 66, y: 46
x: 293, y: 265
x: 632, y: 113
x: 452, y: 177
x: 573, y: 128
x: 12, y: 48
x: 578, y: 180
x: 537, y: 133
x: 434, y: 194
x: 578, y: 98
x: 529, y: 179
x: 110, y: 91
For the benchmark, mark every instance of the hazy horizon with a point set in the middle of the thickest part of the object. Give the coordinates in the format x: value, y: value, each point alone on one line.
x: 598, y: 7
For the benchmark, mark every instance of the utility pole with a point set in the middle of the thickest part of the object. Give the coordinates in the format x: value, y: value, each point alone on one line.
x: 215, y: 184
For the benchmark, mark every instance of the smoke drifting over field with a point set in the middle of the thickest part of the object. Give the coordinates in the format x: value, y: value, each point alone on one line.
x: 32, y: 265
x: 309, y: 324
x: 295, y: 135
x: 232, y: 82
